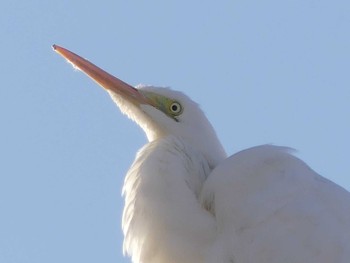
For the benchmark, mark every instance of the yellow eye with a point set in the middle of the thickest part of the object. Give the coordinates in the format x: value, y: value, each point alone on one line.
x: 175, y: 108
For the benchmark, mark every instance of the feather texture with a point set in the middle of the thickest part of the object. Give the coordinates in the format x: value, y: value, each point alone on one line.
x: 270, y: 207
x: 163, y: 220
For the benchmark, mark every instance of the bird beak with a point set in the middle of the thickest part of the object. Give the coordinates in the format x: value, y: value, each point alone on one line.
x: 104, y: 79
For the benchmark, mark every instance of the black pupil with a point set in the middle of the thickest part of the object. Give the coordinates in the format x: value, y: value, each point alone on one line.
x: 174, y: 107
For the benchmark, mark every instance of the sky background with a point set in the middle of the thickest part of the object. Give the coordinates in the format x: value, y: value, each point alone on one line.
x: 263, y: 71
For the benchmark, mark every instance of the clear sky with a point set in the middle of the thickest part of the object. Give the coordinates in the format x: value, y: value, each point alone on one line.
x: 263, y: 71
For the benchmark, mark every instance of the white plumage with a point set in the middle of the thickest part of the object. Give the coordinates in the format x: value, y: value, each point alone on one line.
x: 185, y: 201
x: 270, y: 207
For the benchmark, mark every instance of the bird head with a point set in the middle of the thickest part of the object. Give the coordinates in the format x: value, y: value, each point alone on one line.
x: 158, y: 111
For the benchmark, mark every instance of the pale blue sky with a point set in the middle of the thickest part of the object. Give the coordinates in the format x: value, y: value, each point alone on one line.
x: 264, y: 72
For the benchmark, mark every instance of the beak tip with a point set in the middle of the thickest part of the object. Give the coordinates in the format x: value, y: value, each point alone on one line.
x: 57, y: 49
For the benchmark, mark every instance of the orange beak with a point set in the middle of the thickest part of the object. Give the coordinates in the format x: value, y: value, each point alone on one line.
x: 104, y: 79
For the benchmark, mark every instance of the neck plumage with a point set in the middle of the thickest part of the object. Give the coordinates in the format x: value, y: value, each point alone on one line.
x: 163, y: 220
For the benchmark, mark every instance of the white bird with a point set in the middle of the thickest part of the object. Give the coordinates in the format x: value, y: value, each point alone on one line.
x: 185, y: 201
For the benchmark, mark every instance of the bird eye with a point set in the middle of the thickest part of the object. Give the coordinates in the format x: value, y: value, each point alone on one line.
x: 175, y: 108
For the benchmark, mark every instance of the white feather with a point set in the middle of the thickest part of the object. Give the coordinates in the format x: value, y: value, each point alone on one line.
x: 163, y: 220
x: 260, y: 205
x: 270, y: 207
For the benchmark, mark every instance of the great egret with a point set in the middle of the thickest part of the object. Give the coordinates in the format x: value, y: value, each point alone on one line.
x: 185, y: 201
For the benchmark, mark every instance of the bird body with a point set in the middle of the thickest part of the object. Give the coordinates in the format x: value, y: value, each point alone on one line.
x: 270, y: 207
x: 185, y: 201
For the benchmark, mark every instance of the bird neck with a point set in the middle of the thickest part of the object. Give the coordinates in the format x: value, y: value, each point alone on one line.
x: 163, y: 220
x: 204, y: 143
